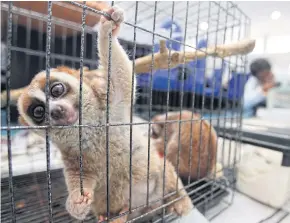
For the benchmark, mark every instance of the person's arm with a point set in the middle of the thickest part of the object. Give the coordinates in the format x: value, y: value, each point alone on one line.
x: 266, y: 87
x: 253, y: 93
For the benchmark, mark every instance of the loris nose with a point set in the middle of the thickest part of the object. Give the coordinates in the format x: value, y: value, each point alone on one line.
x: 57, y: 112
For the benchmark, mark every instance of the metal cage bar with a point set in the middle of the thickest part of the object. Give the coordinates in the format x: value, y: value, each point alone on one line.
x: 47, y: 94
x: 132, y: 106
x: 8, y: 75
x: 150, y: 99
x: 167, y: 103
x: 81, y: 96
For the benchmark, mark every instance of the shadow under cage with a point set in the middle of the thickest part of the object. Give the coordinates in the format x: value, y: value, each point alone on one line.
x: 188, y: 58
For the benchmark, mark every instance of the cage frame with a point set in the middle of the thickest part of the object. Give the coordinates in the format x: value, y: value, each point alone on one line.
x: 48, y: 56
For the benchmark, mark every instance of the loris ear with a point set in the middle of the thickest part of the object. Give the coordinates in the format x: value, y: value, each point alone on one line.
x: 22, y: 121
x: 155, y: 131
x: 157, y: 126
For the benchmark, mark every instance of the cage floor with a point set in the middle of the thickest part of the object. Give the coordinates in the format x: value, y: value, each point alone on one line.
x: 31, y: 203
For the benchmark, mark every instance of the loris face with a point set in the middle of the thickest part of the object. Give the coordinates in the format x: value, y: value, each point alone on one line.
x: 63, y: 102
x: 63, y: 106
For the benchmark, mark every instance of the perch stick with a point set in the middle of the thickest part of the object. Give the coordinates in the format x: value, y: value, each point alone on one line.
x: 143, y: 64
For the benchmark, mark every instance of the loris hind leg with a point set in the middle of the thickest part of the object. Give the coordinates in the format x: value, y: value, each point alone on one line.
x: 184, y: 204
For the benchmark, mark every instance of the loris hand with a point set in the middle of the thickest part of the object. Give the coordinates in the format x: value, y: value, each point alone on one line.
x: 266, y: 87
x: 117, y: 16
x: 79, y: 205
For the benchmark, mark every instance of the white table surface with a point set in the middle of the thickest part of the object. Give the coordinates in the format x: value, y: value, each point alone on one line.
x: 194, y: 217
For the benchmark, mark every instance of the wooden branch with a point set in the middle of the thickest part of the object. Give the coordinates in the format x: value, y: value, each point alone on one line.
x: 143, y: 64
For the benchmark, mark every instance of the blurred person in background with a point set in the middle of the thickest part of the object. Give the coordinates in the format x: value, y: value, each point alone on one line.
x: 258, y: 85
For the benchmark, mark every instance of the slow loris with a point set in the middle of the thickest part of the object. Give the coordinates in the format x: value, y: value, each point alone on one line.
x: 64, y: 110
x: 196, y: 133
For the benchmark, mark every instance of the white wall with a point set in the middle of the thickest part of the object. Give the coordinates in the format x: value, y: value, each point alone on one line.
x: 278, y: 52
x: 263, y: 29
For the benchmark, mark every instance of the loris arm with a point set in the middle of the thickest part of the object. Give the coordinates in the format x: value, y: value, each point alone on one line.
x: 73, y: 181
x: 121, y: 66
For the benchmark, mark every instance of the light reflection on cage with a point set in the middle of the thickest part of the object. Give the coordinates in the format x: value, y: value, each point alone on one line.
x: 226, y: 24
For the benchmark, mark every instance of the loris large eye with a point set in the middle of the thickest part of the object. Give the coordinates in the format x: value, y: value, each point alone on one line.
x: 38, y: 113
x: 57, y: 90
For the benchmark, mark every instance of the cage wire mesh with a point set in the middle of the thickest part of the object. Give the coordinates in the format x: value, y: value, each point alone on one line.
x: 33, y: 188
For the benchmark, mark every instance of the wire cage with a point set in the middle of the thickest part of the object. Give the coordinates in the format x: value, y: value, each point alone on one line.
x: 32, y: 182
